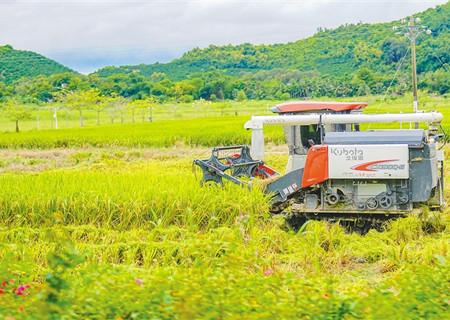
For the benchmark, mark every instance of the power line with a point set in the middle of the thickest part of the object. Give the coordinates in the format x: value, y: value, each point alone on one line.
x: 396, y: 73
x: 392, y: 81
x: 442, y: 63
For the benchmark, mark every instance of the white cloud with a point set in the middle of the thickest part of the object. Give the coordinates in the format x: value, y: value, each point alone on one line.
x: 88, y: 34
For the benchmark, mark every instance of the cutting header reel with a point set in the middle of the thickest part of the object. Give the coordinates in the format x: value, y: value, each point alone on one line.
x: 235, y: 164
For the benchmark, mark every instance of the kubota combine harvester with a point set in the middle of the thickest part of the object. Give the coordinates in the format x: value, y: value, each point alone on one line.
x: 336, y: 171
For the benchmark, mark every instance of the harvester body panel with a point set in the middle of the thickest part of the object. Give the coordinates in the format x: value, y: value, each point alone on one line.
x: 381, y: 161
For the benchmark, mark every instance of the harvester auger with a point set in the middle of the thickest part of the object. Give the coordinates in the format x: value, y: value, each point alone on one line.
x: 337, y: 172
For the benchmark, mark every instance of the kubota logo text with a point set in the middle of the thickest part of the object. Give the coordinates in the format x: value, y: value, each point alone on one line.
x: 347, y: 151
x: 379, y: 165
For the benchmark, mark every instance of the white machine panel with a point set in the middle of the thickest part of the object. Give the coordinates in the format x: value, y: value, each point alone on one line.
x: 383, y: 161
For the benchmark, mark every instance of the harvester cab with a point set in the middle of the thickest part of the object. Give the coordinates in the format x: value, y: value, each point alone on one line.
x: 335, y: 170
x: 300, y: 138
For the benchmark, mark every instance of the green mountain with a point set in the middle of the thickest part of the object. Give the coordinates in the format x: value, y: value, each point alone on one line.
x: 16, y: 64
x: 338, y: 53
x: 351, y: 60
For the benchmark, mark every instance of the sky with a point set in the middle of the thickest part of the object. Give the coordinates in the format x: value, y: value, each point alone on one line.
x: 88, y: 34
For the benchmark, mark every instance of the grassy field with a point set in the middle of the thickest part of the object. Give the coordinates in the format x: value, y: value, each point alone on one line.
x: 42, y: 117
x: 187, y: 129
x: 111, y: 223
x: 167, y: 133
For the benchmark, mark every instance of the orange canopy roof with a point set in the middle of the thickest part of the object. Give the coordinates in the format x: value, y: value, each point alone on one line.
x: 302, y: 106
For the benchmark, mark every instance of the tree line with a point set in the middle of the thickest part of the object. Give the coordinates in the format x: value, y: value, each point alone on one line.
x: 214, y: 86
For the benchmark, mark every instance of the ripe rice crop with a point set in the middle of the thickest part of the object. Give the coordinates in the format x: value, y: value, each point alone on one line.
x: 240, y: 269
x: 142, y: 196
x: 144, y: 239
x: 113, y: 233
x: 318, y: 248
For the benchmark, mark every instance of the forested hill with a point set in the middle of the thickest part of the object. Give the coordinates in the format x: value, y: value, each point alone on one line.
x: 337, y: 53
x: 352, y: 60
x: 16, y: 64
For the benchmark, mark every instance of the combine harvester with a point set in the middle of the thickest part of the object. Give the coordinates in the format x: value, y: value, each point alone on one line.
x: 336, y: 171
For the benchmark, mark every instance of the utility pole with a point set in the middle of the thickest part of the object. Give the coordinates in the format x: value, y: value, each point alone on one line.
x: 413, y: 36
x: 412, y: 31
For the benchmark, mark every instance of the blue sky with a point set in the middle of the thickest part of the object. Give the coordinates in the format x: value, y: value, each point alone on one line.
x: 88, y: 34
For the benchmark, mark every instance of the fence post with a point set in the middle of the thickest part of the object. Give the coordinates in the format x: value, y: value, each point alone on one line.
x: 55, y: 116
x: 151, y: 114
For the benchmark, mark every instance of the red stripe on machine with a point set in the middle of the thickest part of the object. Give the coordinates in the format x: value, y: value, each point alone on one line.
x: 366, y: 166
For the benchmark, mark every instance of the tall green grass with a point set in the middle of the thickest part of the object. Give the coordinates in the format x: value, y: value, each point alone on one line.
x: 240, y: 270
x: 244, y: 240
x: 196, y: 132
x: 42, y: 118
x: 200, y: 131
